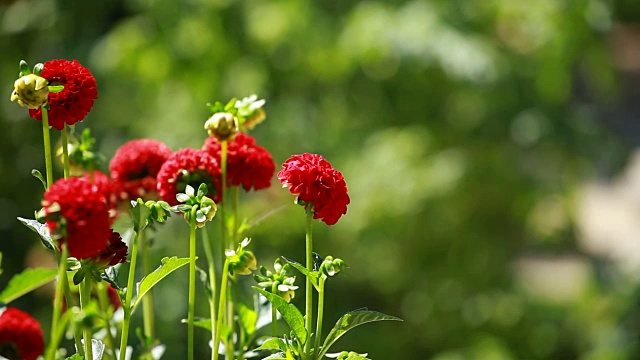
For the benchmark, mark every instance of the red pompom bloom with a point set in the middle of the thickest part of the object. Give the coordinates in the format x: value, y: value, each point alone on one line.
x: 76, y: 100
x: 76, y: 213
x: 135, y: 165
x: 189, y: 167
x: 315, y: 181
x: 106, y: 187
x: 20, y: 335
x: 248, y: 164
x: 115, y: 252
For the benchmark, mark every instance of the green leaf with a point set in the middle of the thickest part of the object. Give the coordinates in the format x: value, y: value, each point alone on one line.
x: 248, y: 318
x: 276, y: 356
x: 289, y: 313
x: 168, y: 266
x: 41, y: 230
x: 273, y: 343
x: 97, y: 348
x: 27, y: 281
x: 55, y: 88
x: 140, y: 215
x: 350, y: 320
x: 38, y: 175
x: 314, y: 276
x: 75, y: 357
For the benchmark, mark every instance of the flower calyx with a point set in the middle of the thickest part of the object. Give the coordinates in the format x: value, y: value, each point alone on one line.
x: 196, y: 204
x: 82, y: 154
x: 222, y: 125
x: 331, y: 266
x: 250, y: 112
x: 241, y: 261
x: 279, y: 281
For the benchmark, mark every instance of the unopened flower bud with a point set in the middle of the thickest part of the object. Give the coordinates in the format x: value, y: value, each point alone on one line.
x: 250, y: 122
x: 222, y: 125
x: 30, y: 91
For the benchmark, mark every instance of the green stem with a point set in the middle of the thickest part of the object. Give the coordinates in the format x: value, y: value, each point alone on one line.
x: 77, y: 333
x: 212, y: 280
x: 230, y: 345
x: 147, y: 300
x: 85, y: 298
x: 65, y: 151
x: 318, y: 335
x: 57, y: 302
x: 103, y: 301
x: 308, y: 321
x: 56, y: 335
x: 192, y: 280
x: 235, y: 200
x: 221, y: 307
x: 127, y: 301
x: 223, y: 169
x: 274, y: 312
x: 47, y: 146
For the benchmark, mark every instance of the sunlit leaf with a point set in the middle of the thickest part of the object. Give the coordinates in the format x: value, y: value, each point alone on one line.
x: 168, y: 266
x: 350, y: 320
x: 27, y: 281
x: 41, y: 230
x: 289, y: 313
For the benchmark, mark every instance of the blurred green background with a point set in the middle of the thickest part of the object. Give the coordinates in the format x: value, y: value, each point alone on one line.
x: 487, y: 146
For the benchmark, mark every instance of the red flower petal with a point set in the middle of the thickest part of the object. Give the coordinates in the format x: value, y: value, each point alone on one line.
x: 196, y: 164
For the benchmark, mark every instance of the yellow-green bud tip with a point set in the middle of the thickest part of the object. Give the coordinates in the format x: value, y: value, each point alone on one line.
x: 224, y: 126
x: 31, y: 91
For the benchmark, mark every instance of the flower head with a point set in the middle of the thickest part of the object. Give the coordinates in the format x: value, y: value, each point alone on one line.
x: 222, y: 126
x: 20, y: 335
x: 188, y: 167
x: 75, y: 101
x: 279, y: 281
x: 115, y: 252
x: 31, y: 91
x: 316, y: 182
x: 76, y: 213
x: 106, y: 187
x: 248, y: 164
x: 135, y: 165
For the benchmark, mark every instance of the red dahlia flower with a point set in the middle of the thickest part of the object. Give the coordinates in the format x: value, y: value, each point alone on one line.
x: 248, y: 164
x: 115, y: 252
x: 106, y: 187
x: 76, y: 100
x: 21, y: 337
x: 76, y: 214
x: 316, y: 182
x: 135, y: 165
x: 189, y: 167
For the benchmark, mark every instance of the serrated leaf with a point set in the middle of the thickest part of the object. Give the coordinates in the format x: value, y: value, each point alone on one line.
x: 273, y: 343
x: 42, y: 230
x: 38, y: 175
x: 350, y: 320
x: 314, y: 276
x: 27, y: 281
x: 289, y: 313
x: 168, y: 266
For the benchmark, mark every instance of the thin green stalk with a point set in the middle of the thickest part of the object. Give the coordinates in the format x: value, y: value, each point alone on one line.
x: 212, y: 280
x: 318, y: 335
x: 147, y: 300
x: 65, y: 151
x: 77, y: 334
x: 223, y: 169
x: 85, y: 298
x: 221, y: 307
x: 230, y: 344
x: 192, y: 281
x: 103, y: 301
x: 274, y: 312
x: 127, y: 301
x: 56, y: 336
x: 47, y: 146
x: 57, y: 302
x: 235, y: 200
x: 308, y: 321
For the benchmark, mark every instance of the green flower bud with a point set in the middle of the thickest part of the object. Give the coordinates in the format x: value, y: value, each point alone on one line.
x: 31, y: 91
x: 222, y: 125
x: 331, y: 266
